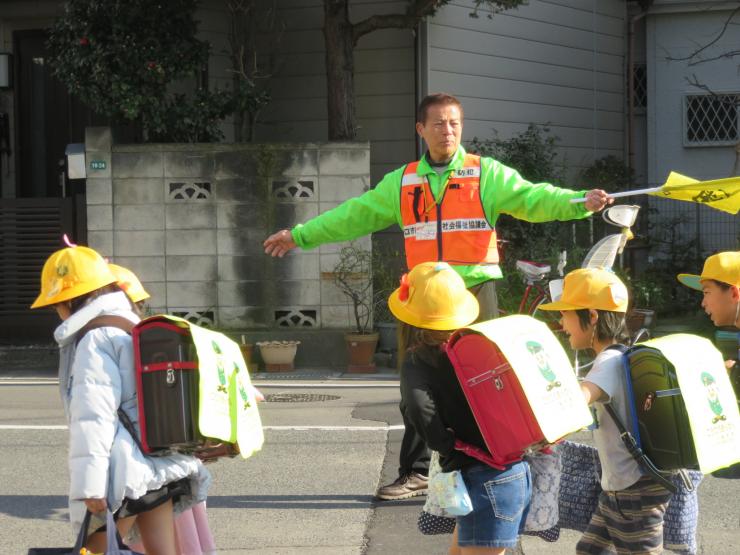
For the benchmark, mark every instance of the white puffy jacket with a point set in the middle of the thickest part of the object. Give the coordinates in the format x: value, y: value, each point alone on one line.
x: 97, y: 376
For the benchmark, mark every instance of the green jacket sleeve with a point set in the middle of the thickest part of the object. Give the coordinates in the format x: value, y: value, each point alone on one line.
x: 372, y: 211
x: 504, y: 191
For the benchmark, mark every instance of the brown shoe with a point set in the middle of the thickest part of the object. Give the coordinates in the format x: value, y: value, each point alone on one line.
x: 408, y: 485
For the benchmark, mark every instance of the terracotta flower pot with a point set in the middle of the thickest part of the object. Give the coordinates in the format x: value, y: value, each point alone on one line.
x: 638, y: 318
x: 360, y: 350
x: 279, y: 356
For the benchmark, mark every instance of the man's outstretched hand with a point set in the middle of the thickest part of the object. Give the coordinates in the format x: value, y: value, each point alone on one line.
x: 280, y: 243
x: 597, y: 199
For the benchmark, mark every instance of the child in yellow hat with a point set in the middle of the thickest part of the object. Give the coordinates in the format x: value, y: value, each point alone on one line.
x: 719, y: 283
x: 130, y: 284
x: 629, y: 515
x: 97, y: 383
x: 432, y: 303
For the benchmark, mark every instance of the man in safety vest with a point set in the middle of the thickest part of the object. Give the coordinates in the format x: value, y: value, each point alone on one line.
x: 447, y: 205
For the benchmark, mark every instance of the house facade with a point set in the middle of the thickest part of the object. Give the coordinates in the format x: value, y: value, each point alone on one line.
x: 560, y: 63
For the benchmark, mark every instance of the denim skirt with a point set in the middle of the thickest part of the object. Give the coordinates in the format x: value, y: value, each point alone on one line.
x: 500, y: 503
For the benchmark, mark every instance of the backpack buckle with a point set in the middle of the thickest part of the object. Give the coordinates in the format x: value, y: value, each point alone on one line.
x: 170, y: 379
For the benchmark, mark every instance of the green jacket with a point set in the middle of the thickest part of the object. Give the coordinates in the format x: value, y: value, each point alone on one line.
x: 503, y: 191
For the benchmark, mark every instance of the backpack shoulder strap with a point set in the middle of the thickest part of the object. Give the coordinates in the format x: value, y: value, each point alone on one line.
x: 105, y: 321
x: 113, y: 321
x: 630, y: 443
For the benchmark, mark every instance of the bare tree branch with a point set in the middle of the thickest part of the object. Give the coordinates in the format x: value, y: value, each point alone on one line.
x: 709, y: 44
x: 418, y: 10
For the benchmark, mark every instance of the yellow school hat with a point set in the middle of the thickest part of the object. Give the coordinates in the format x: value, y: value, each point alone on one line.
x: 128, y: 281
x: 723, y: 266
x: 71, y: 272
x: 433, y: 296
x: 594, y: 288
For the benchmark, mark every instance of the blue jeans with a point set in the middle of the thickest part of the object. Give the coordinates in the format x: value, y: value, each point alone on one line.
x: 500, y: 505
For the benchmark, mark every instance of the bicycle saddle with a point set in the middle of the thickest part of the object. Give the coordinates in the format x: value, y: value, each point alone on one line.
x: 534, y: 270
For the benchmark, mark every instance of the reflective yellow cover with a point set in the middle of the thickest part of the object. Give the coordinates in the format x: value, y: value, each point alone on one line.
x: 544, y: 372
x: 708, y: 395
x: 227, y: 406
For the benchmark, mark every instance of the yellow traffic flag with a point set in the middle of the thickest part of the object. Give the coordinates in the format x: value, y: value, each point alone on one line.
x: 722, y: 194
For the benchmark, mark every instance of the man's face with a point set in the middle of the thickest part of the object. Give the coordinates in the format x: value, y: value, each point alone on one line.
x: 441, y: 131
x: 720, y: 304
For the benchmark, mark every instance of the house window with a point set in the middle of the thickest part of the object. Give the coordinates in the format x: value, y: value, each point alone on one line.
x: 639, y: 86
x: 711, y: 119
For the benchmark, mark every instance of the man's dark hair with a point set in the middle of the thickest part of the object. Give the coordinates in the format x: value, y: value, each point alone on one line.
x: 433, y: 99
x: 721, y: 284
x: 609, y: 325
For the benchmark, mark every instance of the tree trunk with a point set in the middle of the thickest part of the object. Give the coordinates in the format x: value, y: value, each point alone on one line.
x: 340, y: 78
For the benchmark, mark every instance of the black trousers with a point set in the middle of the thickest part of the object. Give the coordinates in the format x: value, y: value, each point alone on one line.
x: 415, y: 455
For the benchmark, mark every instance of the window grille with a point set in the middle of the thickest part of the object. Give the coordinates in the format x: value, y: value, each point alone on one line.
x: 711, y: 119
x: 639, y: 86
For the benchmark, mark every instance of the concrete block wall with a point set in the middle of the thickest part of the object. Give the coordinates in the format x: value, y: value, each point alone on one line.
x: 190, y: 221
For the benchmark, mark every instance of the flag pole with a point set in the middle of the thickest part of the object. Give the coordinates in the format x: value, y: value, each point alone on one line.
x: 622, y: 194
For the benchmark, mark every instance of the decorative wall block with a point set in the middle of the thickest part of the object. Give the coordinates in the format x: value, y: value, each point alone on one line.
x: 203, y: 318
x: 188, y: 190
x: 190, y: 220
x: 297, y: 317
x: 294, y: 189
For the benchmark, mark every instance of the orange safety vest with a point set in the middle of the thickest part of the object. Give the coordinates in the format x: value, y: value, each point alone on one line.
x: 456, y: 229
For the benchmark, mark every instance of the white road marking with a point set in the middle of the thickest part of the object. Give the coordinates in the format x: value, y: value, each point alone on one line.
x: 266, y: 428
x: 292, y: 385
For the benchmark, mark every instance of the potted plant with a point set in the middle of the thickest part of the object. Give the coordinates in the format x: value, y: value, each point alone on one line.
x: 352, y: 276
x: 278, y: 356
x: 646, y: 292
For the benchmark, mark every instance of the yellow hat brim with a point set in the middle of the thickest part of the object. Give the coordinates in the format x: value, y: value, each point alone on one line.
x: 690, y: 280
x: 72, y: 292
x: 465, y: 314
x: 559, y: 305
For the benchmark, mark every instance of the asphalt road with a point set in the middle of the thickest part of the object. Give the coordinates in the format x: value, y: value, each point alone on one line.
x: 308, y: 491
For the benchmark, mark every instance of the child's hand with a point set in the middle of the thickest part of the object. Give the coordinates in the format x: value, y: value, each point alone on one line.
x: 257, y: 394
x: 95, y: 505
x: 729, y: 364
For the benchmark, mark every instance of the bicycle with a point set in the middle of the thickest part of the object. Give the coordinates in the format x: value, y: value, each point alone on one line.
x: 602, y: 255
